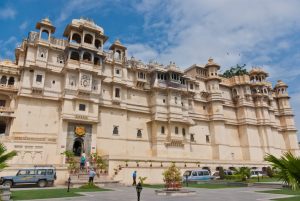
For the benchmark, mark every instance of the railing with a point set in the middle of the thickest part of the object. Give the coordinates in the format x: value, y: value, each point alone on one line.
x: 10, y: 87
x: 6, y: 109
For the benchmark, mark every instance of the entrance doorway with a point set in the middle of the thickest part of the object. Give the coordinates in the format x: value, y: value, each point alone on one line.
x: 78, y: 146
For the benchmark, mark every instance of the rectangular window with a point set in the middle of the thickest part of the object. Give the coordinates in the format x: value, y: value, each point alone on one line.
x: 81, y: 107
x: 162, y: 131
x: 192, y: 137
x: 117, y: 93
x: 207, y: 138
x: 176, y: 130
x: 191, y: 86
x: 116, y: 130
x: 118, y: 71
x: 183, y: 131
x: 39, y: 78
x: 139, y: 133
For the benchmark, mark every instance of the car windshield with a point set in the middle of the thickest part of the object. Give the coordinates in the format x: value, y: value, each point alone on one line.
x: 187, y: 173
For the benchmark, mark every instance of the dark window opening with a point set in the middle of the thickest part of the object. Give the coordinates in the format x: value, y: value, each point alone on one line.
x: 2, y: 128
x: 118, y: 54
x: 88, y: 38
x: 116, y: 130
x: 53, y: 81
x: 117, y: 71
x: 87, y: 56
x: 39, y: 78
x: 76, y: 38
x: 192, y: 137
x: 117, y: 93
x: 162, y: 130
x: 2, y: 103
x: 97, y: 61
x: 191, y: 86
x: 3, y: 80
x: 176, y: 130
x: 74, y: 56
x: 164, y: 100
x: 183, y: 131
x: 97, y: 44
x: 139, y: 133
x: 81, y: 107
x: 207, y: 138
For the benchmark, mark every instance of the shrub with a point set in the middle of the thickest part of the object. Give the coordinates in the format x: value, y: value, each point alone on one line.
x: 221, y: 173
x: 89, y: 186
x: 235, y: 177
x: 172, y: 175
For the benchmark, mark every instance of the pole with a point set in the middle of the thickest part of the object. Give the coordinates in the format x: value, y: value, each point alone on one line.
x: 69, y: 182
x: 186, y: 180
x: 138, y: 196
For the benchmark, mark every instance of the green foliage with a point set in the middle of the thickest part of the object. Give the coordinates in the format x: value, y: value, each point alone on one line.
x: 235, y: 71
x: 70, y: 160
x: 244, y: 173
x: 270, y: 172
x: 99, y: 162
x: 235, y: 177
x: 221, y: 173
x: 5, y: 156
x: 172, y: 175
x: 142, y: 180
x: 288, y: 168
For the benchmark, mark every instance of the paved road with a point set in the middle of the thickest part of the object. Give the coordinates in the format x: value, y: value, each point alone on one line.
x: 129, y: 194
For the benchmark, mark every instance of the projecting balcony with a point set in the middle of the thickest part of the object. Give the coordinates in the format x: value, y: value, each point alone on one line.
x: 6, y: 112
x: 10, y: 88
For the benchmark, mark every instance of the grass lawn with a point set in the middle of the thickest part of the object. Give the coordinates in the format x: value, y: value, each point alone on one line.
x: 265, y: 179
x: 50, y: 193
x: 205, y: 185
x: 285, y: 192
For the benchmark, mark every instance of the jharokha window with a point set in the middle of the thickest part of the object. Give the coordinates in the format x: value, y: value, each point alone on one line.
x: 139, y: 133
x: 116, y: 130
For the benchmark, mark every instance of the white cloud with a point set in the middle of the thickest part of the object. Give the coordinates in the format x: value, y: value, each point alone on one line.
x: 141, y: 51
x: 7, y: 13
x: 23, y: 25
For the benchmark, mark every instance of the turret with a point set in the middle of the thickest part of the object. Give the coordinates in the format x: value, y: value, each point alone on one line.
x: 119, y: 51
x: 46, y: 29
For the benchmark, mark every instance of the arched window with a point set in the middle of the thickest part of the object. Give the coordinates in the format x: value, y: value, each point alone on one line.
x: 76, y: 38
x: 3, y: 80
x: 118, y: 54
x: 88, y: 38
x: 183, y: 131
x: 234, y: 92
x: 87, y: 56
x: 162, y: 130
x: 98, y: 44
x: 74, y: 56
x: 11, y: 81
x: 45, y: 35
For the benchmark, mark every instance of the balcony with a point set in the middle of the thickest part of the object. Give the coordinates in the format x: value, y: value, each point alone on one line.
x: 10, y: 88
x: 6, y: 112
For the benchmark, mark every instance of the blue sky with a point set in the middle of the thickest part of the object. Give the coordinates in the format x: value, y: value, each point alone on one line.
x: 257, y: 33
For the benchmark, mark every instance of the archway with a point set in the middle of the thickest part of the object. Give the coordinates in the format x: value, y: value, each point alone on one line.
x: 78, y: 146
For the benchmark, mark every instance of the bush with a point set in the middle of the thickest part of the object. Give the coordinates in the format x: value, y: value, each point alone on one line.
x: 221, y: 173
x: 172, y: 175
x: 235, y: 177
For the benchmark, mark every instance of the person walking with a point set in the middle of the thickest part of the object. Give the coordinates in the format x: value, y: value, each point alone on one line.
x: 92, y: 174
x: 134, y: 178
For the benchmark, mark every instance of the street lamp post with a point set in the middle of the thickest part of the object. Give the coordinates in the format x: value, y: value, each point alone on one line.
x: 139, y: 189
x: 69, y: 182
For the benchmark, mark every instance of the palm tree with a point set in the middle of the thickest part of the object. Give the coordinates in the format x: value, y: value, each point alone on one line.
x: 4, y: 157
x: 288, y: 167
x: 244, y: 172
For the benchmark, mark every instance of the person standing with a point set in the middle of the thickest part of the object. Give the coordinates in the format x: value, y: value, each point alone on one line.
x: 82, y: 162
x: 92, y: 174
x: 134, y: 178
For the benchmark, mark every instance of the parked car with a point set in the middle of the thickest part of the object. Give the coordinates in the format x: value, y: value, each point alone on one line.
x: 256, y: 173
x: 197, y: 175
x: 42, y: 176
x: 216, y: 174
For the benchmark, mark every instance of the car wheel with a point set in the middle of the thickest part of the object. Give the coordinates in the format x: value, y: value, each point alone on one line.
x: 8, y: 183
x: 42, y: 183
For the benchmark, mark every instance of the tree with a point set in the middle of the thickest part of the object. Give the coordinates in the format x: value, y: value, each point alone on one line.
x: 288, y: 168
x: 244, y: 172
x: 5, y: 156
x: 221, y: 173
x: 235, y: 71
x: 70, y: 160
x: 172, y: 177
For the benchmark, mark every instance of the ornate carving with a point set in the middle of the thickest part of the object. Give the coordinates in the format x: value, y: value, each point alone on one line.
x: 85, y: 80
x: 43, y: 52
x: 33, y: 36
x: 60, y: 58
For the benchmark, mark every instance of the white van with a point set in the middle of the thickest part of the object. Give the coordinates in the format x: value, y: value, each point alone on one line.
x: 197, y: 175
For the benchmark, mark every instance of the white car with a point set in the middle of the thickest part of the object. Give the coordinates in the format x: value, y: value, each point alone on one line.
x: 256, y: 173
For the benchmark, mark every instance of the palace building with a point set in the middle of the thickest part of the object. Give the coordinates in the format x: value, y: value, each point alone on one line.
x: 72, y: 94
